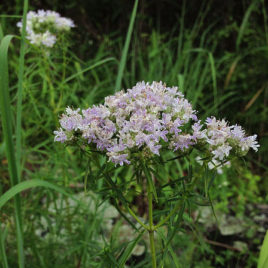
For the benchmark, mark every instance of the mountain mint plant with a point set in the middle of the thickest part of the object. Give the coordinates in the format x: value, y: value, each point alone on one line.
x: 135, y: 128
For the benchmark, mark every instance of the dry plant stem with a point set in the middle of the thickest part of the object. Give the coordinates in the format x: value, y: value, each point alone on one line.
x: 151, y: 225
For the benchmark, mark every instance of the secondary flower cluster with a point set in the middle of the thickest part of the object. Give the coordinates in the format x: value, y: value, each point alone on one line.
x: 43, y: 26
x: 147, y: 119
x: 223, y: 139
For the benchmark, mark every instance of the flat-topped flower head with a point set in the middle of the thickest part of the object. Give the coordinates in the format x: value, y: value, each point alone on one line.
x: 44, y: 27
x: 146, y: 120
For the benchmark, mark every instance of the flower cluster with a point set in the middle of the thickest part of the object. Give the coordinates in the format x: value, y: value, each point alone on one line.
x: 149, y: 118
x: 42, y: 27
x: 223, y: 139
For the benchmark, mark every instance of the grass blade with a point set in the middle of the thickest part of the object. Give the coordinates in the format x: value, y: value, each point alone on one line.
x: 263, y: 259
x: 1, y: 33
x: 172, y: 253
x: 20, y: 80
x: 22, y: 186
x: 244, y: 23
x: 9, y: 146
x: 10, y: 16
x: 125, y: 49
x: 122, y: 260
x: 214, y: 80
x: 86, y: 69
x: 2, y: 249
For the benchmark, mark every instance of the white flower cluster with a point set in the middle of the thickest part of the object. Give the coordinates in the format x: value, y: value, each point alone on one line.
x: 149, y: 118
x: 42, y: 27
x: 223, y: 139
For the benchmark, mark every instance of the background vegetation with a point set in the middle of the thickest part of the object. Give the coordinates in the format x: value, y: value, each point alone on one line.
x: 215, y: 51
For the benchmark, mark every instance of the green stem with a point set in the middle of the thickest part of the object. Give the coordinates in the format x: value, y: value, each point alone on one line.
x: 137, y: 219
x: 152, y: 246
x: 151, y: 224
x: 174, y: 210
x: 47, y: 75
x: 62, y: 79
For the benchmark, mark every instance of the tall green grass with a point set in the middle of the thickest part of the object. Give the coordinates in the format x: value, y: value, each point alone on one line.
x: 20, y: 88
x: 14, y: 166
x: 9, y: 144
x: 126, y: 48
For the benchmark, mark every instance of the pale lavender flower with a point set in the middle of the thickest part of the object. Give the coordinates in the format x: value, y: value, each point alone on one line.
x: 60, y: 136
x: 72, y: 120
x: 150, y: 118
x: 223, y: 139
x: 198, y: 133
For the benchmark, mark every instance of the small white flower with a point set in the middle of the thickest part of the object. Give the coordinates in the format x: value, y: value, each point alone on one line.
x: 48, y: 39
x: 39, y: 25
x: 222, y: 151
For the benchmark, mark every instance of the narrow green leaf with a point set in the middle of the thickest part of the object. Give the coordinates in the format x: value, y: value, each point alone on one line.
x: 181, y: 82
x: 22, y: 186
x: 1, y: 33
x: 150, y: 181
x: 173, y: 182
x: 174, y: 229
x: 10, y: 16
x: 263, y: 259
x: 214, y: 174
x: 124, y: 215
x: 87, y: 69
x: 212, y: 207
x: 214, y: 80
x: 111, y: 258
x: 5, y: 107
x: 126, y: 47
x: 2, y: 248
x: 244, y: 22
x: 115, y: 189
x: 124, y: 257
x: 172, y: 253
x: 20, y: 88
